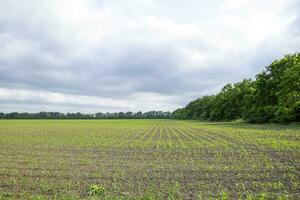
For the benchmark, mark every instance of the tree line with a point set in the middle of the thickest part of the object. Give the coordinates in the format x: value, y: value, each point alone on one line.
x: 273, y: 96
x: 78, y: 115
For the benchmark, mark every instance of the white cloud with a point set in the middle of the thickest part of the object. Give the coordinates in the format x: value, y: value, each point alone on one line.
x: 134, y: 102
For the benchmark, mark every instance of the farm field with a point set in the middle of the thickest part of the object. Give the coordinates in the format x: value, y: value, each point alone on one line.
x: 148, y: 159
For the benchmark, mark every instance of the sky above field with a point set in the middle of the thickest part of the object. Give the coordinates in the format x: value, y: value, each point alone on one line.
x: 116, y: 55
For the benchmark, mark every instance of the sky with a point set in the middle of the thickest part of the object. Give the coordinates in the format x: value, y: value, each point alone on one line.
x: 137, y: 55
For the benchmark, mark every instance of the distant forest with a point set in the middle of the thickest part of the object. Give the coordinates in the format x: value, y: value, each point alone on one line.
x: 78, y: 115
x: 274, y: 96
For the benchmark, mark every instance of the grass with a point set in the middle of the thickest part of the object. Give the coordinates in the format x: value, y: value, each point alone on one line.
x: 147, y: 159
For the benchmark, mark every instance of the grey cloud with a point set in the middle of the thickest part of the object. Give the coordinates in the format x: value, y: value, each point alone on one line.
x: 124, y: 53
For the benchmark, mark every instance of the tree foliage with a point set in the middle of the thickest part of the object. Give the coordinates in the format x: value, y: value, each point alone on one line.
x: 78, y: 115
x: 274, y: 96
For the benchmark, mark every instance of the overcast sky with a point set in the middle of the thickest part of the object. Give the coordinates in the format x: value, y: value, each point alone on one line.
x: 116, y: 55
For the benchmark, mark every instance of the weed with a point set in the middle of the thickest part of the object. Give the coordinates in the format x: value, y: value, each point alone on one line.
x: 95, y: 190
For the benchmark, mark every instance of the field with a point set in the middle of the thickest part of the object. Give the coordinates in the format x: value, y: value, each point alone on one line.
x: 148, y: 159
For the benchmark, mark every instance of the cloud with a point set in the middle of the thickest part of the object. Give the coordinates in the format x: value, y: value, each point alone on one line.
x: 51, y: 101
x: 102, y: 52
